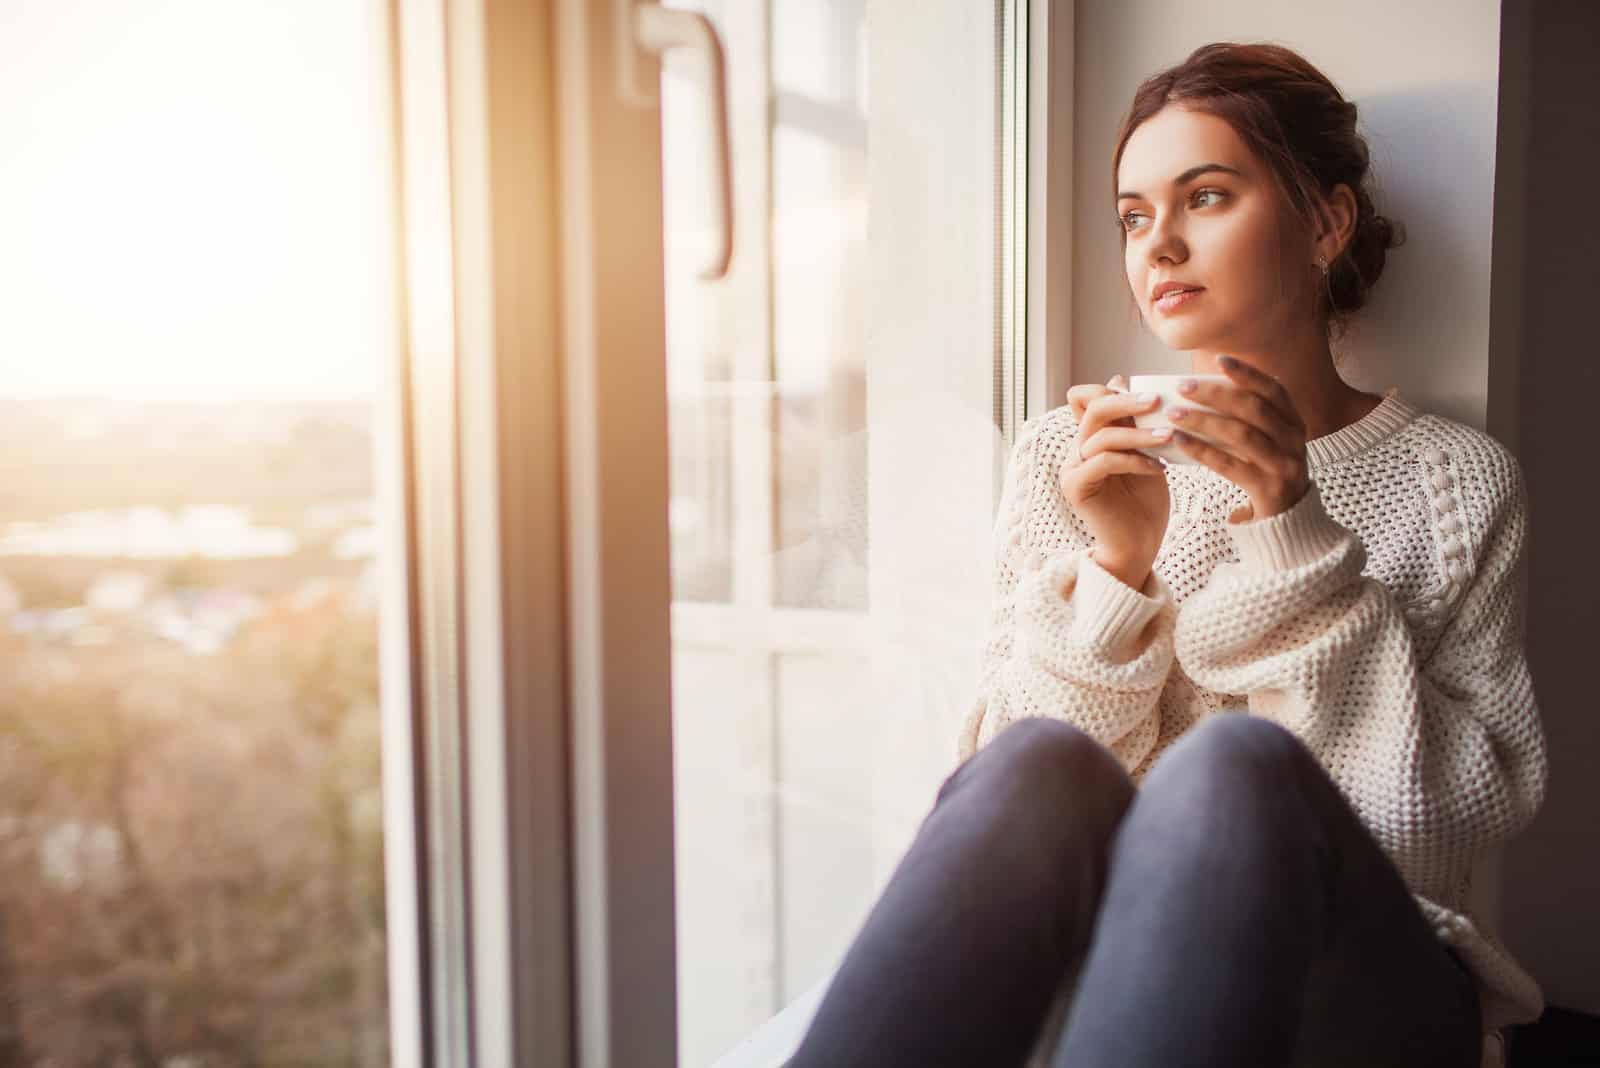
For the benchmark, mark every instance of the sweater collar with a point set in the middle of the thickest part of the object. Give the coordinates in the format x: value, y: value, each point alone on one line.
x: 1390, y: 416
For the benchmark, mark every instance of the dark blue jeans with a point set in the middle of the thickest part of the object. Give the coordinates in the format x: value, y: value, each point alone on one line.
x: 1231, y: 911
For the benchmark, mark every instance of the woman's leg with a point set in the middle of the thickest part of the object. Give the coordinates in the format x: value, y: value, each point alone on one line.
x: 961, y: 956
x: 1249, y: 918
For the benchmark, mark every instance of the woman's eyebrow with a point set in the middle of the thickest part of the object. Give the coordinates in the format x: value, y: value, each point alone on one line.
x: 1187, y: 176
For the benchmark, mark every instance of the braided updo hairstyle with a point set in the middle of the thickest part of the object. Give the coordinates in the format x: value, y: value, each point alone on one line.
x: 1300, y: 125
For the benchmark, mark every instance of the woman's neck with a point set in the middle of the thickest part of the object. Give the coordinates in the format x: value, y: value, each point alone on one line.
x: 1325, y: 401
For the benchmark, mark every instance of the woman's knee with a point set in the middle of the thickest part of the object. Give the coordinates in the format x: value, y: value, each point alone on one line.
x: 1050, y: 763
x: 1032, y: 816
x: 1251, y: 783
x: 1236, y: 766
x: 1242, y: 771
x: 1239, y: 747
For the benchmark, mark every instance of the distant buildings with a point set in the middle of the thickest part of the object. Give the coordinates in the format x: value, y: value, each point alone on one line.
x: 217, y: 532
x: 202, y: 621
x: 124, y: 601
x: 118, y: 593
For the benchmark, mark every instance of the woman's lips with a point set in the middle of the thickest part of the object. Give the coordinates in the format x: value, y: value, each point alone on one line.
x: 1177, y: 299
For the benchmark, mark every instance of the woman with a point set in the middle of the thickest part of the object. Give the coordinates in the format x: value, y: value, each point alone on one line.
x: 1246, y: 724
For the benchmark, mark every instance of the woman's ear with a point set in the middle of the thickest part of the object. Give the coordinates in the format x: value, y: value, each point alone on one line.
x: 1337, y: 223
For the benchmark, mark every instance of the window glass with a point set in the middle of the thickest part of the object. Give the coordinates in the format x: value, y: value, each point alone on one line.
x: 197, y: 272
x: 768, y: 427
x: 819, y: 246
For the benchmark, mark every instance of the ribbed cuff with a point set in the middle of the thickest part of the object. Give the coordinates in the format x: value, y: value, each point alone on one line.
x: 1289, y: 539
x: 1107, y: 612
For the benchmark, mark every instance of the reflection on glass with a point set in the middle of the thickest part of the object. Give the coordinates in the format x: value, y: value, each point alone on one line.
x: 191, y: 853
x: 819, y: 233
x: 766, y: 370
x: 702, y: 335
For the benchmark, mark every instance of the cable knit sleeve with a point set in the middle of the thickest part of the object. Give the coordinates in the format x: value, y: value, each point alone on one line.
x: 1441, y: 757
x: 1066, y: 639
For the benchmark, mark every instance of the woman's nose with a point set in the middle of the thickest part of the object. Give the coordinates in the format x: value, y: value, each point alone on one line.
x: 1166, y: 243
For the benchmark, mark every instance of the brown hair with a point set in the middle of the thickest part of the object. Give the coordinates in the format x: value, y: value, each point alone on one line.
x: 1304, y: 130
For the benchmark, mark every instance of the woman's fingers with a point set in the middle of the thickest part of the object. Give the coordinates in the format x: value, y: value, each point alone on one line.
x: 1103, y: 465
x: 1224, y: 463
x: 1254, y: 406
x: 1122, y: 438
x: 1111, y: 408
x: 1267, y: 387
x: 1262, y: 480
x: 1080, y: 396
x: 1241, y: 439
x: 1076, y: 477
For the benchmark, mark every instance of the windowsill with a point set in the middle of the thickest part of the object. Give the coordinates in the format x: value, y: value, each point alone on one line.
x: 774, y: 1042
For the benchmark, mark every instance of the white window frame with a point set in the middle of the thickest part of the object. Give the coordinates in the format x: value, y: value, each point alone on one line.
x: 1050, y: 47
x: 526, y: 703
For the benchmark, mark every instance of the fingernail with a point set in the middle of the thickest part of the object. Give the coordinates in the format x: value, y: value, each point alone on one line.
x: 1177, y: 413
x: 1186, y: 386
x: 1161, y: 433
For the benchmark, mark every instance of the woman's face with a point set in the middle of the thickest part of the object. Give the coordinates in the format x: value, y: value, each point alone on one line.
x: 1200, y: 209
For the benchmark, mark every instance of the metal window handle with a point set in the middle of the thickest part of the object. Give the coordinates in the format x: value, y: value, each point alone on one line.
x: 657, y: 29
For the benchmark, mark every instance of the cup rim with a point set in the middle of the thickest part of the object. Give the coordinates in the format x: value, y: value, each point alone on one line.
x: 1175, y: 377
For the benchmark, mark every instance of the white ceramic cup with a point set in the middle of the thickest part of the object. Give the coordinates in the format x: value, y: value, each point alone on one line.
x: 1166, y: 386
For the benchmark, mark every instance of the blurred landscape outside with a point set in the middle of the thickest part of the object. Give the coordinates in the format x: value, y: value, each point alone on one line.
x: 191, y: 867
x: 197, y: 279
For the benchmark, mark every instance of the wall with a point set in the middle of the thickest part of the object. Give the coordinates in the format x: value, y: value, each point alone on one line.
x: 1429, y: 113
x: 1542, y: 369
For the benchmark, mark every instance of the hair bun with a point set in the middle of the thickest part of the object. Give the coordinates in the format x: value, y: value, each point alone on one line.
x: 1352, y: 276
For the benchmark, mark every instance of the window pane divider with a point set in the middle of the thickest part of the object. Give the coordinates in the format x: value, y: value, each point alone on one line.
x: 537, y: 713
x: 1048, y: 341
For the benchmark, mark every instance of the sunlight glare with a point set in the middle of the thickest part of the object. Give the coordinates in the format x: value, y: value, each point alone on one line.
x: 195, y: 198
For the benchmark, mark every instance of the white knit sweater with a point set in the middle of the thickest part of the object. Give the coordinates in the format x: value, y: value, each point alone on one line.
x: 1380, y: 619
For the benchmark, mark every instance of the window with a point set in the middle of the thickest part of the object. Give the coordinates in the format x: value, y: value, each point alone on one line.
x: 835, y: 423
x: 768, y: 423
x: 663, y: 657
x: 197, y: 272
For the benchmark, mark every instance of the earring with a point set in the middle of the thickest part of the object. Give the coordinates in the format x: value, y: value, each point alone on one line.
x: 1327, y: 281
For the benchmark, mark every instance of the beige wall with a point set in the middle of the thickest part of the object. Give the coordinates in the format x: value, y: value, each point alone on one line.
x: 1424, y: 77
x: 1544, y: 372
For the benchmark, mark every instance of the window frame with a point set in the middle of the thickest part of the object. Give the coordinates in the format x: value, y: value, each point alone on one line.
x: 527, y: 755
x: 1049, y: 191
x: 528, y: 782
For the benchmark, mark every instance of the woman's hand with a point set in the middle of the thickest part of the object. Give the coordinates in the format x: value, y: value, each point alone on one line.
x: 1119, y: 494
x: 1258, y: 439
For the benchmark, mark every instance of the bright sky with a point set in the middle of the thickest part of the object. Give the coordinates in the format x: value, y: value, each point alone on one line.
x: 194, y: 198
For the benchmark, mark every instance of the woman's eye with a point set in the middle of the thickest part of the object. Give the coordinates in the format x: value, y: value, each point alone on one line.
x: 1129, y: 221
